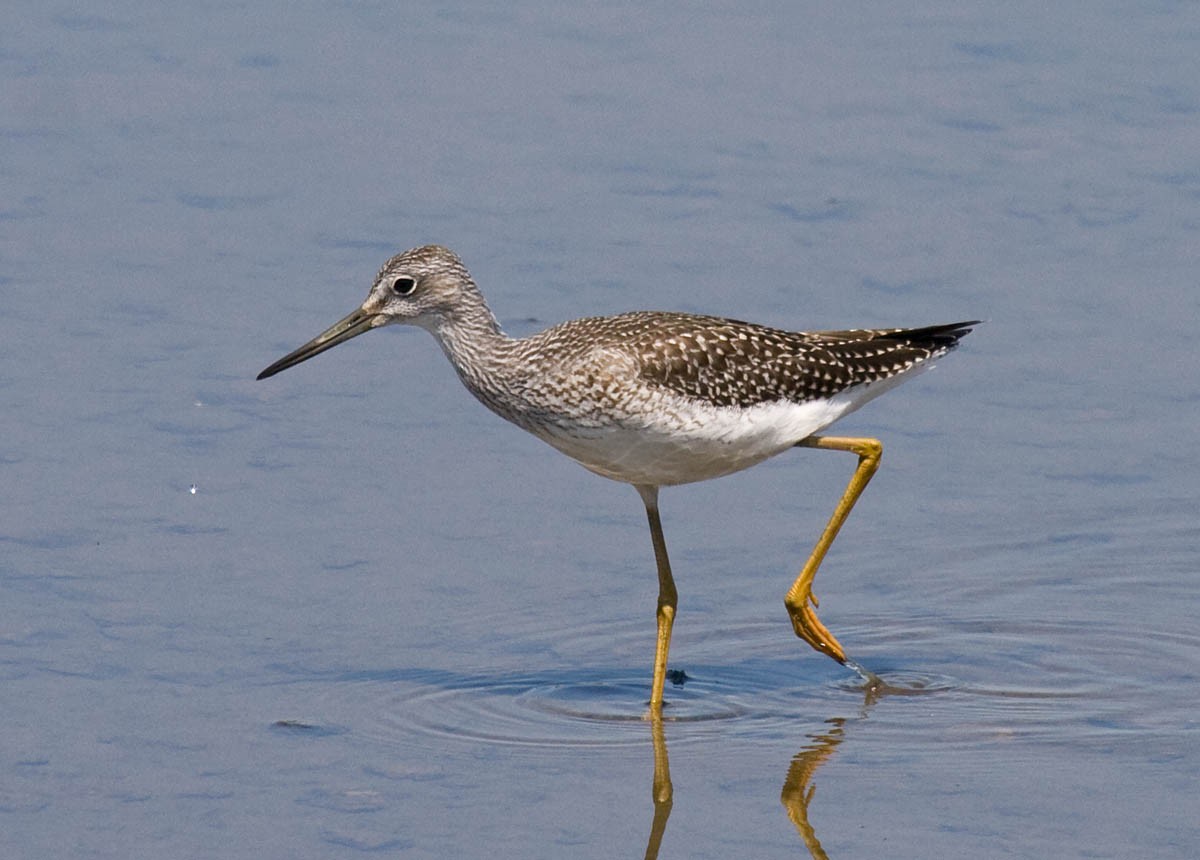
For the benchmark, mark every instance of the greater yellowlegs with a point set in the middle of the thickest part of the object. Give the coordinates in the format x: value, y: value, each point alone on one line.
x: 655, y: 399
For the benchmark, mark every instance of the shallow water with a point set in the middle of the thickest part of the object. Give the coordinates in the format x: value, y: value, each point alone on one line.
x: 385, y: 622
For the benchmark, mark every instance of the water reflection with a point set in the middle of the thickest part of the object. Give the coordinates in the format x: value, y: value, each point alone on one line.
x: 798, y: 786
x: 662, y: 792
x: 1053, y: 686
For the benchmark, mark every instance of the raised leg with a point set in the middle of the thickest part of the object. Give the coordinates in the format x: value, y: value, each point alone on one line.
x: 667, y: 596
x: 800, y: 601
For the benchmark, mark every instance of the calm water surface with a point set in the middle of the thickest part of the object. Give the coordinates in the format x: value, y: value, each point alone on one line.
x: 387, y: 623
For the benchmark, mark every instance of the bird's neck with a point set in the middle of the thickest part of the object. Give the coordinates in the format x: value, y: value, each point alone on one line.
x: 472, y: 339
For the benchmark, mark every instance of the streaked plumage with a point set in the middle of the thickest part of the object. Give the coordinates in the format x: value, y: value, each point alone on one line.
x: 648, y: 398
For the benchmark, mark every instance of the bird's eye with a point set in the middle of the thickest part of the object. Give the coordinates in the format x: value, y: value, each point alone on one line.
x: 403, y: 286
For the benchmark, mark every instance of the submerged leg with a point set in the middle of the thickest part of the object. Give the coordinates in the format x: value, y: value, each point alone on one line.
x: 800, y: 601
x: 667, y: 596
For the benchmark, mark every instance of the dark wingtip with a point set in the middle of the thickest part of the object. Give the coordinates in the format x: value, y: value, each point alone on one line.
x: 960, y: 330
x: 945, y: 336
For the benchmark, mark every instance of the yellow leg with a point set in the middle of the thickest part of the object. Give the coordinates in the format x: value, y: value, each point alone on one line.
x: 667, y: 596
x: 800, y: 601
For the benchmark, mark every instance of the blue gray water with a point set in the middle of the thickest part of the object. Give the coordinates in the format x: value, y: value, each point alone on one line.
x: 385, y: 622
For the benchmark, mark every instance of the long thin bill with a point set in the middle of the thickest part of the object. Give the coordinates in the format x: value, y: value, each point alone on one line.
x: 341, y: 331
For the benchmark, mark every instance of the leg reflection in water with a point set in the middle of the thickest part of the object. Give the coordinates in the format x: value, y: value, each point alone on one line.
x: 798, y: 787
x: 662, y: 791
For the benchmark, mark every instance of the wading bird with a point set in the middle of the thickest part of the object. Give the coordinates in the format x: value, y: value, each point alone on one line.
x: 655, y: 399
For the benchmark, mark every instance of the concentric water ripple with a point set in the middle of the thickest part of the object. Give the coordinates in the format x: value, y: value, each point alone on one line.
x: 985, y: 680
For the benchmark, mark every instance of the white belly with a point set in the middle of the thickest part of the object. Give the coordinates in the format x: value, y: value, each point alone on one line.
x: 620, y: 428
x: 695, y: 443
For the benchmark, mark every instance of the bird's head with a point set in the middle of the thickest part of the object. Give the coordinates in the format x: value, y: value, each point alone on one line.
x: 422, y: 287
